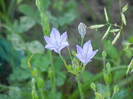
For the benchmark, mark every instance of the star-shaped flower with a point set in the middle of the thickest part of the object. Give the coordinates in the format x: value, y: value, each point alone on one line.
x: 56, y: 41
x: 86, y: 54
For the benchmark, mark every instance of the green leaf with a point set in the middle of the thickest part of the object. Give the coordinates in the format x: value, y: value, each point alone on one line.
x: 110, y: 49
x: 30, y: 11
x: 131, y: 39
x: 17, y: 42
x: 96, y: 26
x: 25, y: 24
x: 35, y: 47
x: 123, y: 18
x: 118, y: 75
x: 122, y: 94
x: 107, y: 32
x: 102, y: 89
x: 106, y: 15
x: 86, y: 76
x: 116, y: 38
x: 60, y: 79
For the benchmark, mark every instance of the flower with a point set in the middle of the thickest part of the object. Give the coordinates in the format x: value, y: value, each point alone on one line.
x: 86, y: 54
x: 82, y: 29
x: 56, y: 41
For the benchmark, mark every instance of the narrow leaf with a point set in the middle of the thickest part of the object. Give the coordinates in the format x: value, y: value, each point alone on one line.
x: 123, y: 18
x: 106, y: 15
x: 114, y: 30
x: 125, y: 8
x: 107, y: 32
x: 115, y: 39
x: 130, y: 66
x: 96, y: 26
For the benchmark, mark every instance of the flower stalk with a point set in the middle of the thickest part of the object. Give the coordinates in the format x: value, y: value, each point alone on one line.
x: 79, y: 87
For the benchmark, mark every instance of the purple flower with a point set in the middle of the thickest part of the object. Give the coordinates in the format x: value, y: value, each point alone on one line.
x: 56, y: 41
x: 86, y: 54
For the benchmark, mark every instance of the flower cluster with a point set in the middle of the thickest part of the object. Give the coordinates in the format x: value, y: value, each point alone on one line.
x: 57, y: 42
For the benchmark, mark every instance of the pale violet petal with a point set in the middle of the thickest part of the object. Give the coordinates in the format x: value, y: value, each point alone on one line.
x: 63, y: 45
x: 92, y: 54
x: 87, y: 49
x: 55, y: 35
x: 64, y: 37
x: 79, y: 50
x: 57, y: 50
x: 49, y: 46
x: 87, y: 46
x: 48, y: 40
x: 80, y: 58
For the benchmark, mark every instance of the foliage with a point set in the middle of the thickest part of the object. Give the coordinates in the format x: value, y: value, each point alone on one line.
x: 22, y: 27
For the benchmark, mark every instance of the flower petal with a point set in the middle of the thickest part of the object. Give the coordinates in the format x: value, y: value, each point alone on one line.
x: 48, y: 46
x: 63, y: 45
x: 55, y: 35
x: 64, y: 37
x: 87, y: 49
x: 48, y: 40
x: 92, y: 54
x: 79, y: 50
x: 80, y: 58
x: 87, y: 46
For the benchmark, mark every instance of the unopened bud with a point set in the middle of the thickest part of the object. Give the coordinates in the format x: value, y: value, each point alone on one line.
x: 93, y: 86
x: 116, y: 89
x: 82, y: 29
x: 104, y: 54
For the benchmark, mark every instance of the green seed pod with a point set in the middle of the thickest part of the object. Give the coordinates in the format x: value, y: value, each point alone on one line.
x: 116, y: 89
x: 108, y: 66
x: 104, y: 54
x: 107, y: 78
x: 93, y: 86
x: 96, y: 26
x: 40, y: 82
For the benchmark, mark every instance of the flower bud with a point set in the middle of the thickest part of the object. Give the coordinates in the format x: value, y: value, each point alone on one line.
x: 93, y: 86
x: 116, y: 89
x: 104, y: 54
x: 82, y: 29
x: 40, y: 82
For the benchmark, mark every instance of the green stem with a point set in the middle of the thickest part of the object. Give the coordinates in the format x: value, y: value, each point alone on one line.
x: 69, y: 53
x: 53, y: 74
x: 124, y: 53
x: 80, y: 88
x: 82, y: 39
x: 42, y: 93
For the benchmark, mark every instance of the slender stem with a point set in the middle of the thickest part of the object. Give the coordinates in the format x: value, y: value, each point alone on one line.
x: 53, y: 74
x: 69, y: 53
x: 108, y: 87
x: 124, y: 53
x: 42, y: 94
x: 82, y: 39
x: 80, y: 88
x: 61, y: 57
